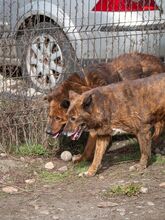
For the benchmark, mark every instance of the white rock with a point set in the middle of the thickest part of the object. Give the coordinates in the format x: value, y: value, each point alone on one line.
x: 150, y: 203
x: 3, y: 155
x: 36, y: 207
x: 22, y: 159
x: 44, y: 212
x: 144, y: 189
x: 49, y: 165
x: 9, y: 189
x: 66, y: 156
x: 162, y: 184
x: 55, y: 217
x: 101, y: 177
x: 63, y: 169
x: 121, y: 211
x: 132, y: 168
x: 30, y: 181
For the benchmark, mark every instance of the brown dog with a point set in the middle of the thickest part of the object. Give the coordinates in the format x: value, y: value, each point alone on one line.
x: 127, y: 66
x: 130, y: 106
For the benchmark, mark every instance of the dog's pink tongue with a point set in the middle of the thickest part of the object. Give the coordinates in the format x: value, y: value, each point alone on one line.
x: 56, y: 135
x: 75, y: 136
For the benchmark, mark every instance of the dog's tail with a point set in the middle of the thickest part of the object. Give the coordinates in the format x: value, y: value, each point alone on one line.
x: 158, y: 128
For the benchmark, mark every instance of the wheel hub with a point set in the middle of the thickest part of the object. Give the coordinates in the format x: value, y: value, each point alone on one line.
x: 44, y: 61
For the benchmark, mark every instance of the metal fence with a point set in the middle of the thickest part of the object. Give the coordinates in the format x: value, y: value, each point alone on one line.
x: 42, y: 42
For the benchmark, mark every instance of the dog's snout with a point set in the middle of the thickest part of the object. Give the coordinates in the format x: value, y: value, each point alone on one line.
x: 49, y: 130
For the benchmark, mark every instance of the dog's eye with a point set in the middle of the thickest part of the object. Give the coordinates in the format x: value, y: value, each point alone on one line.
x: 72, y: 118
x: 57, y: 118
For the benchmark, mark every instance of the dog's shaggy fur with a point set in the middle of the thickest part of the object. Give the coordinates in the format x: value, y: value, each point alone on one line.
x: 131, y: 106
x: 127, y: 66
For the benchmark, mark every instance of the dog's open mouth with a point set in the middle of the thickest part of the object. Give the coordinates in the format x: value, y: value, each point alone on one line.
x: 58, y: 133
x: 75, y: 135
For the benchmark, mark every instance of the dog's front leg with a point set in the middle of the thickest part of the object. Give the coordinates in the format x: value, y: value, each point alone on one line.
x: 88, y: 151
x: 101, y: 145
x: 144, y: 139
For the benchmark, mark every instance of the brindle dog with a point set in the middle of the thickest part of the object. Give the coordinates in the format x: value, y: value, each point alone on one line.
x: 131, y: 106
x: 127, y: 66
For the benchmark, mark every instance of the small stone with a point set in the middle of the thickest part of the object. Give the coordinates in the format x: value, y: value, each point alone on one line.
x: 121, y: 211
x: 35, y: 173
x: 22, y: 159
x: 44, y: 212
x: 55, y: 217
x: 63, y: 169
x: 132, y: 168
x: 150, y: 203
x: 9, y: 189
x: 107, y: 204
x: 101, y: 177
x: 30, y: 181
x: 139, y: 207
x: 49, y: 165
x: 162, y: 184
x: 3, y: 155
x: 66, y: 156
x: 60, y: 209
x: 36, y: 207
x: 144, y: 189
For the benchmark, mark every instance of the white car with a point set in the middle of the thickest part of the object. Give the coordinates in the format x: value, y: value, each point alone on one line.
x: 50, y: 39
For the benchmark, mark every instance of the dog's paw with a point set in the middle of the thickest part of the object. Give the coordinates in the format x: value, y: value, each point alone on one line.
x: 77, y: 158
x: 83, y: 174
x: 139, y: 167
x: 86, y: 174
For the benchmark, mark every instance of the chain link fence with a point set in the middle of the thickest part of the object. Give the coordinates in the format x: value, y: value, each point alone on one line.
x: 42, y: 42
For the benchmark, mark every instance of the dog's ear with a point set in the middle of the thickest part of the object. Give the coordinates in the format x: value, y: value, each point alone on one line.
x: 65, y: 104
x: 87, y: 102
x: 72, y: 95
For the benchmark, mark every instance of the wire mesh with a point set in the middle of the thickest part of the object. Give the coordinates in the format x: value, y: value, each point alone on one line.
x: 42, y: 42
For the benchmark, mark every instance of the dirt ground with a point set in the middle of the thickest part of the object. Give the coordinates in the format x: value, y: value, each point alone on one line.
x: 60, y: 194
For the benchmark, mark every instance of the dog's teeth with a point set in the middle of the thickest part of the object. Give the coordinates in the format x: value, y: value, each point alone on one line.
x: 69, y: 134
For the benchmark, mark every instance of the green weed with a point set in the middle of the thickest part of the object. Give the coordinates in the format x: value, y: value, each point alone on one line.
x: 31, y: 150
x: 47, y: 176
x: 131, y: 189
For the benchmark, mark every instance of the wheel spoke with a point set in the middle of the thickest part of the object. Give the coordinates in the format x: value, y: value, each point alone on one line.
x: 40, y: 69
x: 42, y: 43
x: 36, y: 50
x: 46, y: 70
x: 52, y: 79
x: 49, y: 47
x: 55, y: 55
x: 33, y: 61
x: 56, y: 67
